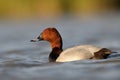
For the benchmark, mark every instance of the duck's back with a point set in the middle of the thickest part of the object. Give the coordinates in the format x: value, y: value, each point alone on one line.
x: 78, y: 53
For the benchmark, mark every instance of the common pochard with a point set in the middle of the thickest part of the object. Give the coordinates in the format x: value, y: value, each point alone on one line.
x: 71, y: 54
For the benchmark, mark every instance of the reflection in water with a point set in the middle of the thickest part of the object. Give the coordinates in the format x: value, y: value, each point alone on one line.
x: 22, y: 60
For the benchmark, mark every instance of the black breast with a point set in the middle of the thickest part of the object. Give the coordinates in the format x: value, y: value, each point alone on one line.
x: 54, y: 54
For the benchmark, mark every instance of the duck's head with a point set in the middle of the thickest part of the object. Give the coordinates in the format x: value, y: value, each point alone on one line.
x: 51, y: 35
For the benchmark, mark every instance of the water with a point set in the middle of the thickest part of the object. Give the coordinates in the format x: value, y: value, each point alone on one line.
x: 22, y: 60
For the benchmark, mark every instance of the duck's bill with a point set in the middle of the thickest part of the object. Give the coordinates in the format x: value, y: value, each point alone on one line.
x: 39, y: 38
x: 34, y: 40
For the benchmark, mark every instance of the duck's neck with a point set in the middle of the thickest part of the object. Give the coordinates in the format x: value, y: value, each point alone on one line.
x: 56, y: 50
x: 54, y: 54
x: 57, y: 43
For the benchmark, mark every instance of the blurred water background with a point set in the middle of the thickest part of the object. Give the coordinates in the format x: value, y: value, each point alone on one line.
x: 95, y: 22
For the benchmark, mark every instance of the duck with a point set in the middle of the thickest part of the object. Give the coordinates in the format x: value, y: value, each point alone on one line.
x: 80, y: 52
